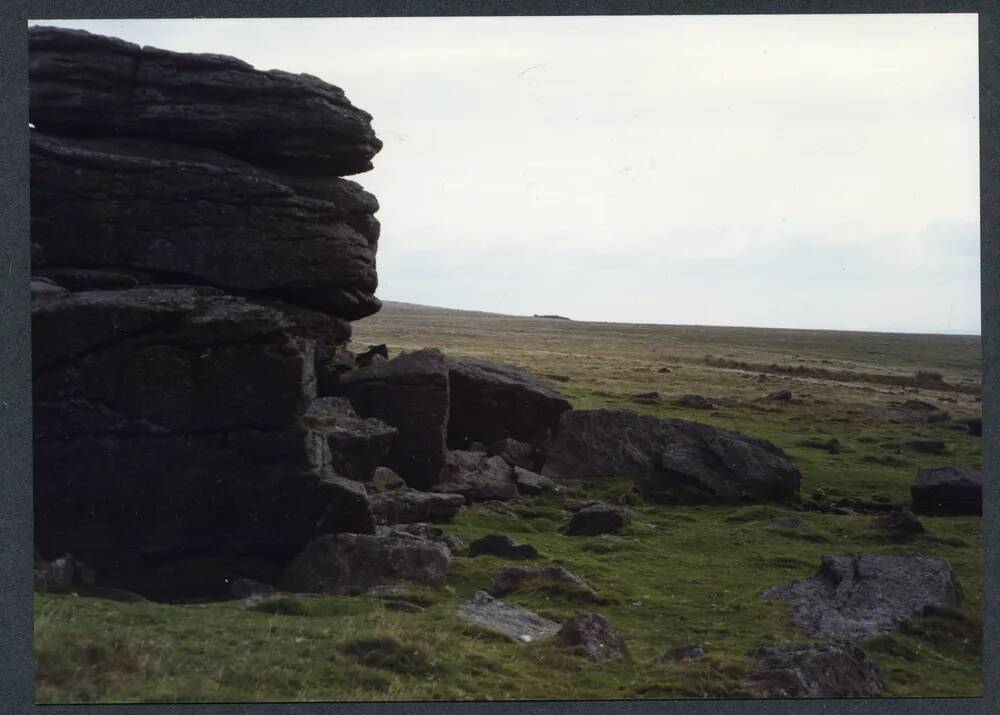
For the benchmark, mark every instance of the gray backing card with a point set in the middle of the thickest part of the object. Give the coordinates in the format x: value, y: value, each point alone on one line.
x: 16, y: 686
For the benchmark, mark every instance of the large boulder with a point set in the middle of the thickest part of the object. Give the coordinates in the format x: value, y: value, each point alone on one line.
x: 856, y: 597
x: 409, y: 506
x: 198, y: 216
x: 947, y: 491
x: 409, y: 392
x: 816, y: 670
x: 672, y: 460
x: 343, y: 564
x: 477, y: 477
x: 90, y: 85
x: 493, y: 401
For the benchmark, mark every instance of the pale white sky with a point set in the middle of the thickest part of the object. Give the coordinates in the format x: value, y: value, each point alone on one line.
x: 781, y: 171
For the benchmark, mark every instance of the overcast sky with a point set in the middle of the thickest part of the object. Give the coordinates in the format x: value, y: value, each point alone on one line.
x: 782, y: 171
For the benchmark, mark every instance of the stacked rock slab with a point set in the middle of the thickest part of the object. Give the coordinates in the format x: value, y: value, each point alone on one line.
x: 197, y: 251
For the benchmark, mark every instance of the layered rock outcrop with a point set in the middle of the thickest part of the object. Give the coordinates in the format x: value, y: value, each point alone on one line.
x: 196, y: 254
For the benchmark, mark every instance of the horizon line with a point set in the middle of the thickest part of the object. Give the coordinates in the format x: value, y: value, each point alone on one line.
x: 685, y: 325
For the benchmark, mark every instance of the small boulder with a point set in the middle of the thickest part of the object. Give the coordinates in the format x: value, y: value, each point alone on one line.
x: 342, y: 564
x: 856, y: 597
x: 780, y: 396
x: 947, y: 491
x: 646, y: 398
x: 598, y: 519
x: 696, y: 402
x: 530, y: 483
x: 820, y: 670
x: 507, y: 618
x: 516, y: 454
x: 385, y: 480
x: 477, y: 477
x: 683, y: 654
x: 374, y: 353
x: 516, y: 578
x: 898, y: 525
x: 501, y: 545
x: 600, y: 640
x: 406, y: 506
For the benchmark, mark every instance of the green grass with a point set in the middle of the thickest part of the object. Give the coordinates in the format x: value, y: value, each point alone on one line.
x: 675, y: 576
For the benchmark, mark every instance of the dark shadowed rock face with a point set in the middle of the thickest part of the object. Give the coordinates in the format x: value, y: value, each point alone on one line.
x: 357, y: 445
x: 856, y: 597
x: 477, y: 477
x: 407, y: 506
x: 599, y: 639
x: 672, y: 460
x: 351, y: 563
x: 89, y: 85
x: 507, y: 618
x: 821, y: 670
x: 409, y: 392
x: 503, y: 546
x: 492, y: 401
x: 947, y: 491
x: 598, y: 519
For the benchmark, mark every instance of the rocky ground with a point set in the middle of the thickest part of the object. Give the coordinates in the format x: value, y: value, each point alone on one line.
x: 233, y: 501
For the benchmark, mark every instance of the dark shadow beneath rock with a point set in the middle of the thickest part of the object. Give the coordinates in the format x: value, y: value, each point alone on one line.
x: 501, y: 545
x: 598, y: 519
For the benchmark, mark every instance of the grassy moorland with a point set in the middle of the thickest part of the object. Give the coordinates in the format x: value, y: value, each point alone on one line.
x: 675, y: 576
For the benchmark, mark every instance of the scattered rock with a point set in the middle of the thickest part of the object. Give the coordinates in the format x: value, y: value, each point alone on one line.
x: 780, y: 396
x: 672, y: 460
x: 856, y: 597
x: 696, y: 402
x: 947, y: 491
x: 493, y: 401
x: 598, y: 519
x: 516, y: 578
x: 406, y: 506
x: 501, y: 545
x: 820, y: 670
x: 507, y: 618
x: 664, y: 370
x: 477, y: 477
x: 683, y: 654
x: 918, y: 405
x: 348, y: 563
x: 598, y: 637
x: 646, y: 398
